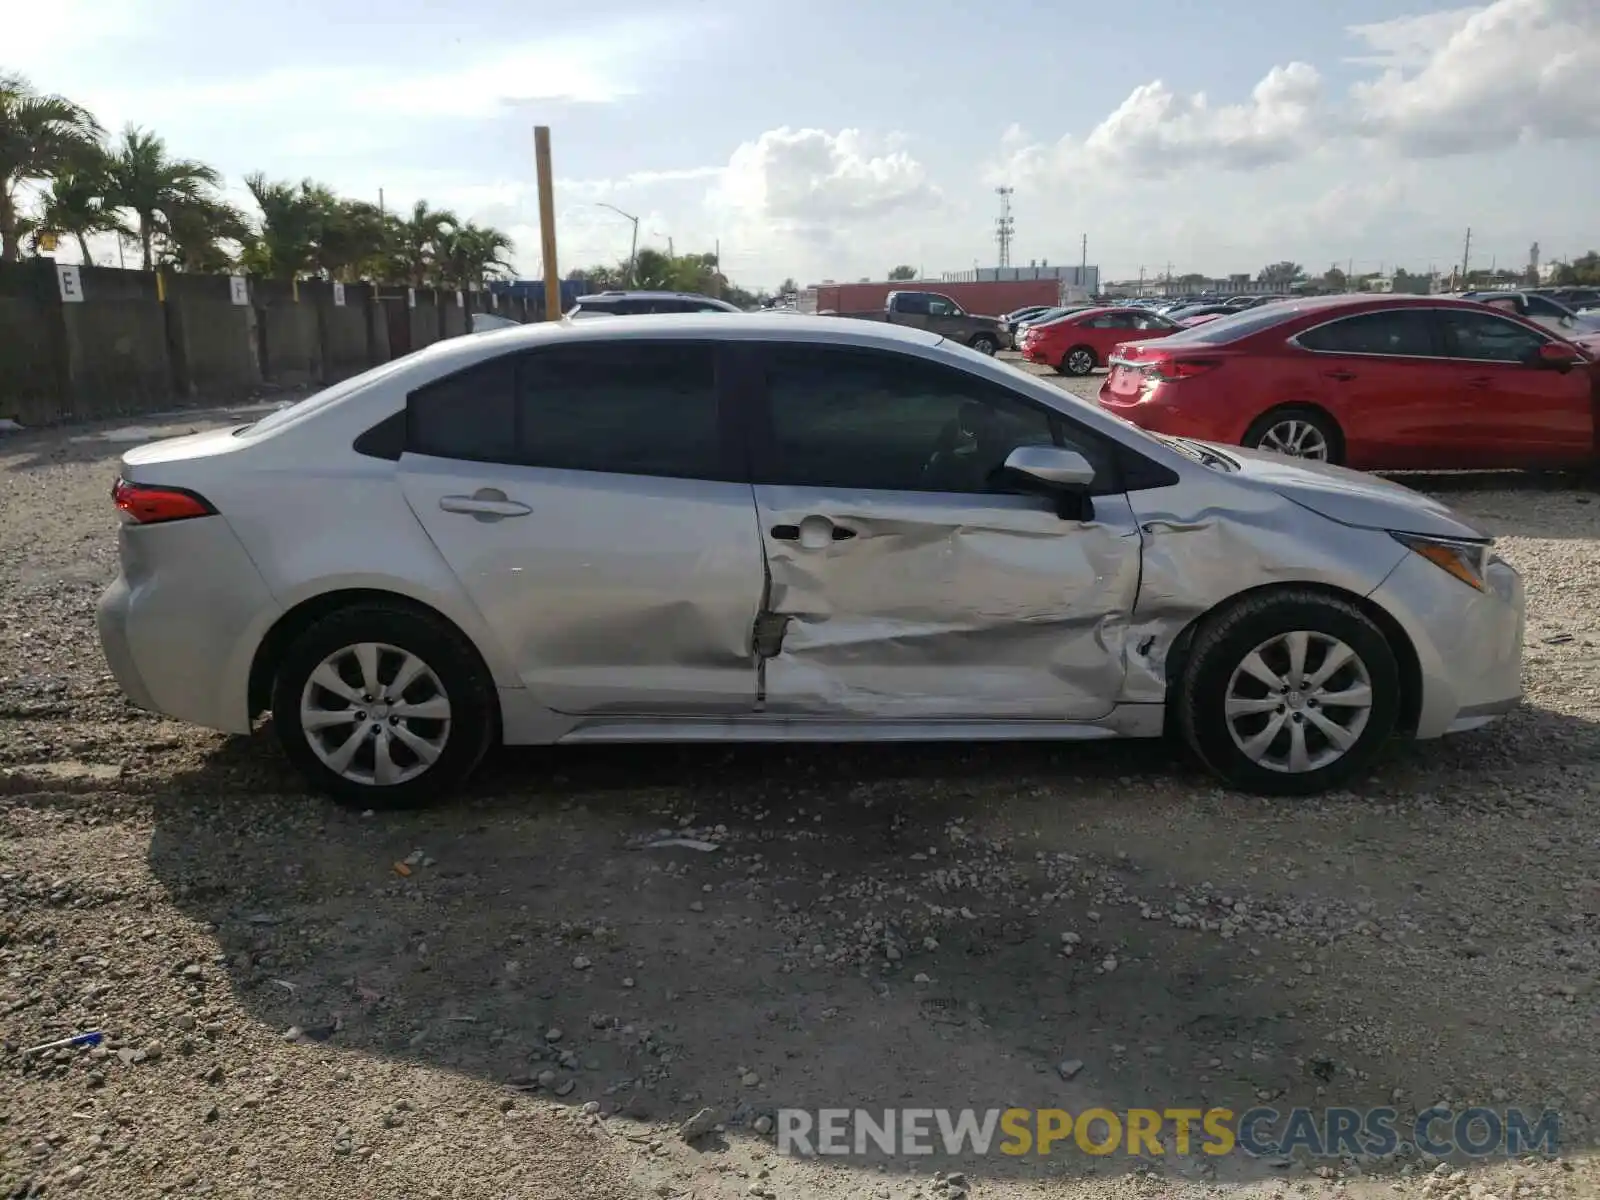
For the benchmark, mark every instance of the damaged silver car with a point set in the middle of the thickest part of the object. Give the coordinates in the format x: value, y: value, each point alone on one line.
x: 732, y: 529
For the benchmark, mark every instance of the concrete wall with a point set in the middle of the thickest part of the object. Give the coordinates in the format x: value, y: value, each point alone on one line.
x: 32, y: 343
x: 116, y: 346
x: 211, y: 339
x: 287, y: 333
x: 133, y: 344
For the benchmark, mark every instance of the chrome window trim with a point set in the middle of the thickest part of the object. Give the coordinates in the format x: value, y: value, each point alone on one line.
x: 1526, y: 326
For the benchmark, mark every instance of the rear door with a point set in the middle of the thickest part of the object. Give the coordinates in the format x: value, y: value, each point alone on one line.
x: 910, y: 308
x: 590, y: 500
x: 1520, y: 411
x: 906, y: 581
x: 1381, y: 376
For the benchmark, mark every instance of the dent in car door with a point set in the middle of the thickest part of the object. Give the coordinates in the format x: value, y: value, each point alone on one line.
x: 903, y: 605
x: 614, y: 583
x: 924, y: 603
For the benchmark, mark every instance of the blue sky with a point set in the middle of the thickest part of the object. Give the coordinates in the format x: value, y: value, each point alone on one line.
x: 833, y: 140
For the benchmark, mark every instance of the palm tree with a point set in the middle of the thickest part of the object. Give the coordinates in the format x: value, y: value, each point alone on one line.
x: 196, y: 232
x: 39, y: 136
x: 292, y: 220
x: 472, y: 254
x: 423, y: 237
x: 357, y: 240
x: 74, y: 205
x: 153, y: 186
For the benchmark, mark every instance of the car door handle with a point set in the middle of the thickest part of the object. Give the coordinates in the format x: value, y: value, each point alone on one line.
x: 1480, y: 381
x: 489, y: 503
x: 791, y: 533
x: 1341, y: 376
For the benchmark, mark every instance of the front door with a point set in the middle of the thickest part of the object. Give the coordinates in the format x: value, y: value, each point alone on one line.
x: 905, y: 581
x: 583, y: 496
x: 1522, y: 412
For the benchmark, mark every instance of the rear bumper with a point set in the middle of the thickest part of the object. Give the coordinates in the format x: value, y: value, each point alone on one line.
x: 179, y: 626
x: 1156, y: 410
x: 1468, y: 643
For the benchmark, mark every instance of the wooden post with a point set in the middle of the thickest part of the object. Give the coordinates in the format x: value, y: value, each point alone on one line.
x: 547, y: 223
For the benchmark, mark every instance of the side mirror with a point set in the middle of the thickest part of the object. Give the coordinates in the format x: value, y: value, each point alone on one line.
x: 1554, y: 354
x: 1053, y: 467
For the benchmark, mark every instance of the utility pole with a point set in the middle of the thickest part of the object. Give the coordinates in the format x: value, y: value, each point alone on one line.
x: 633, y: 247
x: 547, y: 222
x: 716, y: 272
x: 1466, y: 255
x: 1141, y: 281
x: 1083, y: 264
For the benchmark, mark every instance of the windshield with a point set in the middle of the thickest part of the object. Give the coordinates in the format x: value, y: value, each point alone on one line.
x: 327, y: 396
x: 1232, y: 327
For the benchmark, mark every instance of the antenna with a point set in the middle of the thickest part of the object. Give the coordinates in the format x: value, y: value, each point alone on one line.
x: 1005, y: 226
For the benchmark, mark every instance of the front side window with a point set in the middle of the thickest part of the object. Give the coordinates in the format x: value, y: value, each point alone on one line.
x: 470, y: 415
x: 1487, y: 338
x: 938, y: 306
x: 861, y: 419
x: 1395, y: 332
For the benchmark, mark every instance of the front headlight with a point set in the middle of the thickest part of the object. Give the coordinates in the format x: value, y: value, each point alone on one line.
x: 1467, y: 561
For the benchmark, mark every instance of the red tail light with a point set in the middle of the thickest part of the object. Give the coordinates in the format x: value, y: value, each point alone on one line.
x: 146, y: 504
x: 1164, y: 368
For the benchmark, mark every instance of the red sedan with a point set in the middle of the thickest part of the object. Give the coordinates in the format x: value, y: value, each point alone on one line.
x: 1377, y: 383
x: 1079, y: 342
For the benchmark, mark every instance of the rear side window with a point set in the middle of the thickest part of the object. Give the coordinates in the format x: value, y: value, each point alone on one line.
x: 1398, y: 332
x: 469, y: 415
x: 627, y: 408
x: 911, y: 302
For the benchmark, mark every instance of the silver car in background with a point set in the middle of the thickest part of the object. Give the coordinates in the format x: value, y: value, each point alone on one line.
x: 729, y: 528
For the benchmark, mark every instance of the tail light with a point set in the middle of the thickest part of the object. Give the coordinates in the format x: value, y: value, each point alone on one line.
x: 1164, y: 368
x: 147, y: 504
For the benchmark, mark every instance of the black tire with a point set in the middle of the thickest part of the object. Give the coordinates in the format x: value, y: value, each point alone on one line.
x: 985, y: 343
x: 1227, y: 639
x: 460, y: 673
x: 1080, y: 360
x: 1326, y: 428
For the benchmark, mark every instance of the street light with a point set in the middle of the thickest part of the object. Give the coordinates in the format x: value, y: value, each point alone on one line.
x: 633, y: 250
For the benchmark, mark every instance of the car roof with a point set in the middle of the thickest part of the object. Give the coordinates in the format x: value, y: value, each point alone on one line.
x: 646, y: 295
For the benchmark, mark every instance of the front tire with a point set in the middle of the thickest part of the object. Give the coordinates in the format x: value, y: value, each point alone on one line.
x: 383, y: 706
x: 1080, y: 360
x: 1289, y: 693
x: 984, y: 344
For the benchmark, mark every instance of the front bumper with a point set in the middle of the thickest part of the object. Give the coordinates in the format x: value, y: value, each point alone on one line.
x: 1468, y: 643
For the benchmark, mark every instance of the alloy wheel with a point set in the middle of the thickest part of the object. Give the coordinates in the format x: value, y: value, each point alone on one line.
x: 1296, y: 438
x: 1298, y: 702
x: 375, y: 714
x: 1080, y: 362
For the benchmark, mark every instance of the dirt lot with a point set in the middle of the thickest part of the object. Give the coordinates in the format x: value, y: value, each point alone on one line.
x: 538, y: 1004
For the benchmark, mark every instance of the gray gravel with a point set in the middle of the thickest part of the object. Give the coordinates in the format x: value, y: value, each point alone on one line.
x: 544, y: 1003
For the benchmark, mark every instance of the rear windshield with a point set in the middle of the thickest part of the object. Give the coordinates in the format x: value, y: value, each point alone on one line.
x: 1231, y: 328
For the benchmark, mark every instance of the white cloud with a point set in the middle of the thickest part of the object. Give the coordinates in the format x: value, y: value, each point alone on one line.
x: 1517, y: 71
x: 1409, y: 41
x: 809, y: 180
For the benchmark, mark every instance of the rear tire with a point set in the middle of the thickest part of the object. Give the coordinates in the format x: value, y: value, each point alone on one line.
x: 1080, y: 360
x: 984, y: 344
x: 364, y: 735
x: 1299, y: 432
x: 1316, y: 727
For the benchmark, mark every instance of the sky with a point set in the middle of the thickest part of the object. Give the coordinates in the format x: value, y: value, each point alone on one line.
x: 834, y: 139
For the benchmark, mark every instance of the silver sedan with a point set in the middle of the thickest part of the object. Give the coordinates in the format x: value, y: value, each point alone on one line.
x: 733, y: 529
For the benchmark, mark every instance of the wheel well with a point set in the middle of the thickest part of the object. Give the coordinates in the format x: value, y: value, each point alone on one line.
x: 1338, y: 447
x: 264, y: 667
x: 1405, y: 654
x: 1082, y: 346
x: 983, y: 335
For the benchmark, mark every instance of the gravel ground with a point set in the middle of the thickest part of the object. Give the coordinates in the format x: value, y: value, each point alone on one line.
x: 533, y: 1005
